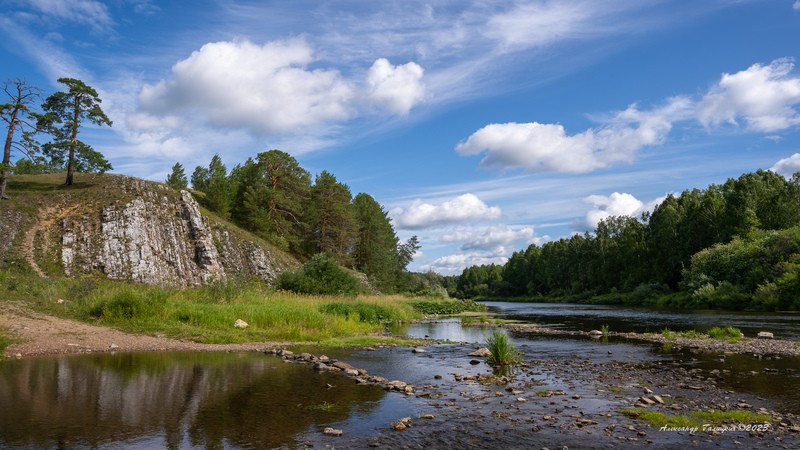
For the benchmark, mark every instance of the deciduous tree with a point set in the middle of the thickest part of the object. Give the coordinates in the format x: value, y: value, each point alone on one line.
x: 21, y: 120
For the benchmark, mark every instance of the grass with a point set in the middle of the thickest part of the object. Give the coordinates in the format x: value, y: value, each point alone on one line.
x: 731, y: 334
x: 501, y: 349
x: 207, y: 314
x: 5, y: 341
x: 605, y: 329
x: 697, y: 418
x: 480, y: 320
x: 727, y: 334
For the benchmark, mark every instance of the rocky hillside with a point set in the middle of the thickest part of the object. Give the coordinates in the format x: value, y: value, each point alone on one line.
x: 127, y: 229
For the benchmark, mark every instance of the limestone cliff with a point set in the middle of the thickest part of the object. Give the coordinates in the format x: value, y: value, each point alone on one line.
x: 129, y: 229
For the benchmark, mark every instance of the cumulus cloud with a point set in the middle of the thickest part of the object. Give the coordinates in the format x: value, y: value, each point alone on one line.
x: 796, y: 5
x: 264, y: 88
x: 397, y: 88
x: 270, y: 89
x: 456, y: 263
x: 487, y: 238
x: 763, y: 96
x: 465, y: 207
x: 614, y: 205
x: 538, y: 147
x: 787, y: 166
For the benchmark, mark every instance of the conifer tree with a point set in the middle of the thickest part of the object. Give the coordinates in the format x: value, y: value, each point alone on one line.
x: 177, y: 178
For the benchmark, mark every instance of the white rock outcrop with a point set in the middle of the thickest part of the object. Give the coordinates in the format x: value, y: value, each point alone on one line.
x: 156, y: 239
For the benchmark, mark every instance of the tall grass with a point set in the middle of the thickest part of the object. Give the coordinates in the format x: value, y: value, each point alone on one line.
x: 206, y: 314
x: 727, y: 333
x: 501, y: 349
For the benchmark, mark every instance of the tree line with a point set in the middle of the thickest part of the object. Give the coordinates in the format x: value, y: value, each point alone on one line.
x: 272, y: 196
x: 61, y: 116
x: 731, y: 246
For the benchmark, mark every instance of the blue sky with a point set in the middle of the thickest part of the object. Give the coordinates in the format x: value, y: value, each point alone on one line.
x: 481, y: 126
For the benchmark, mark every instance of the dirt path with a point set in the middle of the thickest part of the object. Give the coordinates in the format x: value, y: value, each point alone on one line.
x: 40, y: 334
x: 46, y: 217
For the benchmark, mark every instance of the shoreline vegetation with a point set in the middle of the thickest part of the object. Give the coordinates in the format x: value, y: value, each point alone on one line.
x: 734, y: 246
x: 207, y: 314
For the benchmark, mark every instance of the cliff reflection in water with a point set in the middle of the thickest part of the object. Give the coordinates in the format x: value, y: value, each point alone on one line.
x: 212, y: 400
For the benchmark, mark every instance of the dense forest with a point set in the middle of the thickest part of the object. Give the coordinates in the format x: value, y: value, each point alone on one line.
x: 321, y: 222
x: 731, y: 246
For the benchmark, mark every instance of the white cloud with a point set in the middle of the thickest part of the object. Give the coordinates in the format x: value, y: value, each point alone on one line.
x: 83, y: 12
x: 486, y: 238
x: 539, y: 24
x: 456, y: 263
x: 538, y: 147
x: 615, y: 205
x: 263, y: 88
x: 787, y: 166
x: 397, y: 88
x: 271, y: 90
x: 796, y: 5
x: 465, y: 207
x: 763, y: 96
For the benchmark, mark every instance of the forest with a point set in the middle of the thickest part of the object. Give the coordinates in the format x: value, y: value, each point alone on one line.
x: 320, y: 222
x: 729, y: 246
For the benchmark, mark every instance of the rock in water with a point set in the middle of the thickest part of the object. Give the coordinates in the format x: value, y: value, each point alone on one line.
x: 333, y: 432
x: 482, y: 352
x: 765, y: 335
x: 595, y: 333
x: 240, y: 323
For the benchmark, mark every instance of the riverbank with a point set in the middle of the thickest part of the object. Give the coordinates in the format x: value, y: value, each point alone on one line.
x: 35, y: 334
x: 746, y: 346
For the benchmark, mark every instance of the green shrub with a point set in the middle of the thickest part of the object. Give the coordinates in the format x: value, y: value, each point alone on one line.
x: 501, y: 349
x: 320, y: 276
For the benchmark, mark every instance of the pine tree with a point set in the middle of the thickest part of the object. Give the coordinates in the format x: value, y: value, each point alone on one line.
x: 375, y: 252
x: 330, y: 219
x: 177, y: 179
x: 71, y: 109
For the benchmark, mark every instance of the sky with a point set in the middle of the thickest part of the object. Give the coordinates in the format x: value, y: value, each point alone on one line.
x: 481, y: 126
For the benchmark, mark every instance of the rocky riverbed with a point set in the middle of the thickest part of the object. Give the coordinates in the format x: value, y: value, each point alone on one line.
x: 567, y: 401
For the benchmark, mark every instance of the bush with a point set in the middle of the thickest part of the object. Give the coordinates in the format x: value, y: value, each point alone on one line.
x: 320, y: 276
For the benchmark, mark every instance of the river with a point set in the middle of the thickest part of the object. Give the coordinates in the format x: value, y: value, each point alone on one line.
x: 249, y: 400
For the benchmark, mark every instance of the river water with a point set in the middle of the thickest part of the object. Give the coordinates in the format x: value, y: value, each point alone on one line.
x: 249, y: 400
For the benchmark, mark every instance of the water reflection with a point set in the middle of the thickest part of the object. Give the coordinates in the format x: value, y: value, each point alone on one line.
x: 213, y: 400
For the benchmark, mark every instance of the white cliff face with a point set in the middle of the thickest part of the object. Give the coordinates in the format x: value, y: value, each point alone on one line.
x: 153, y: 239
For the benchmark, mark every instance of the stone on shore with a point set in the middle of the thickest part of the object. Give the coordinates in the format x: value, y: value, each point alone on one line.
x: 765, y: 335
x: 240, y: 324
